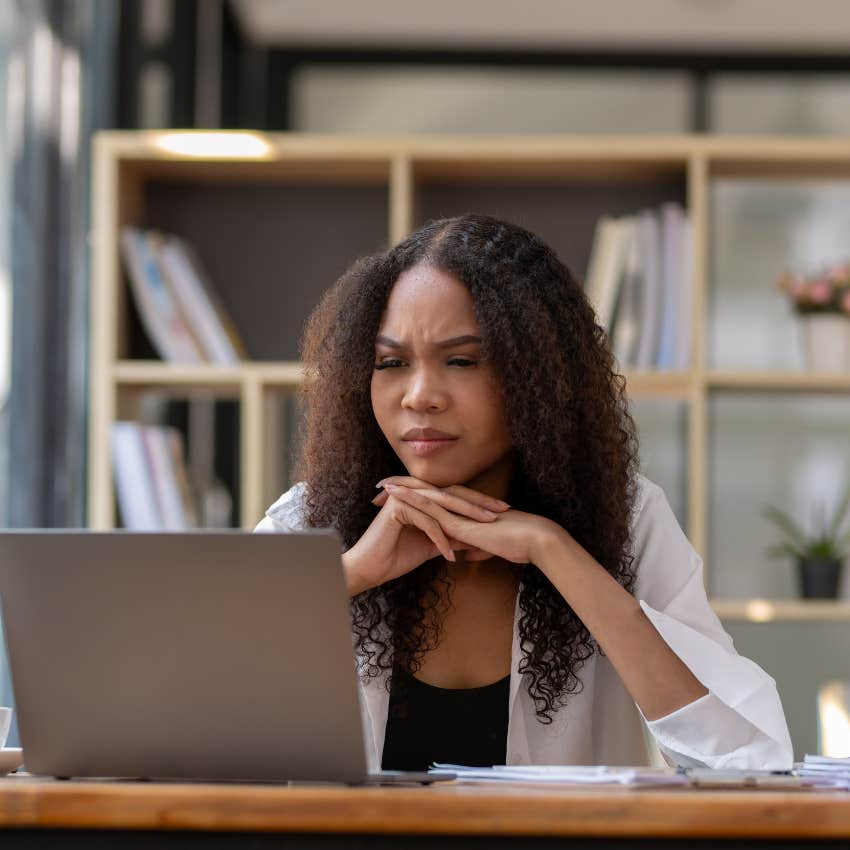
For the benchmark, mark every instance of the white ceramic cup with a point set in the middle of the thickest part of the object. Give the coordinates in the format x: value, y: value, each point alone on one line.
x: 5, y: 723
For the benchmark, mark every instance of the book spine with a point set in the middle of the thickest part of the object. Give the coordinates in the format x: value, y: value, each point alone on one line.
x: 671, y: 220
x: 625, y: 336
x: 686, y: 277
x: 198, y: 303
x: 651, y: 300
x: 177, y: 451
x: 134, y: 484
x: 165, y: 481
x: 159, y: 314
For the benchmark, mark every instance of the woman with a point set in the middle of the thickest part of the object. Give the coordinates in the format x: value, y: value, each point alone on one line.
x: 520, y: 593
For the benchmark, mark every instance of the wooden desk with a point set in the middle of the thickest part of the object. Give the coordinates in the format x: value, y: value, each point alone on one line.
x: 93, y: 814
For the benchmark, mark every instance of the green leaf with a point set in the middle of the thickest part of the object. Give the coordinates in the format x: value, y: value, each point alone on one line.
x: 786, y: 524
x: 821, y: 549
x: 843, y: 541
x: 839, y: 514
x: 820, y: 519
x: 783, y: 550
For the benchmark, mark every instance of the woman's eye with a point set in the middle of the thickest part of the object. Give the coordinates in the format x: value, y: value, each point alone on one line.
x: 454, y: 361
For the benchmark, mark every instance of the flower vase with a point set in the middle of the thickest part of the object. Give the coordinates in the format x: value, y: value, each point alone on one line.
x: 826, y: 342
x: 819, y: 577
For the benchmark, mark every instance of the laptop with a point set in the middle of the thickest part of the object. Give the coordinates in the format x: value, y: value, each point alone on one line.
x: 197, y: 656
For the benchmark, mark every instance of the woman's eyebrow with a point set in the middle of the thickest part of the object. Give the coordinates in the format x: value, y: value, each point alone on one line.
x: 465, y: 339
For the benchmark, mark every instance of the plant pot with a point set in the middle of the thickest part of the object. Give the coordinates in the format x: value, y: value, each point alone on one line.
x: 819, y: 577
x: 826, y: 342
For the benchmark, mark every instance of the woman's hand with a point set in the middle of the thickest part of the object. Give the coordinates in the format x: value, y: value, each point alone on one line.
x: 402, y: 536
x: 514, y: 535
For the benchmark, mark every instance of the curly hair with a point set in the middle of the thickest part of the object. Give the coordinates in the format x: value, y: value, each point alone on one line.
x: 575, y: 441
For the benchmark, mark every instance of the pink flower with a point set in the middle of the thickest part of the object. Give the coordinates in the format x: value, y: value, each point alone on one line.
x: 797, y: 288
x: 819, y: 291
x: 839, y: 274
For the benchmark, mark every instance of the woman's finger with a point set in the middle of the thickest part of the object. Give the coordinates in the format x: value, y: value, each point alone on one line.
x: 457, y: 505
x: 452, y: 503
x: 477, y: 498
x: 409, y: 515
x: 457, y: 490
x: 450, y: 523
x: 405, y: 481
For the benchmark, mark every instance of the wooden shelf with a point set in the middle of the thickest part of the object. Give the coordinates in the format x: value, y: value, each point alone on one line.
x: 369, y: 192
x: 295, y: 172
x: 152, y: 374
x: 582, y: 166
x: 771, y: 610
x: 673, y: 385
x: 778, y: 381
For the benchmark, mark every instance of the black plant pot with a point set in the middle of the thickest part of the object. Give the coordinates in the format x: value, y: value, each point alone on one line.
x: 819, y: 577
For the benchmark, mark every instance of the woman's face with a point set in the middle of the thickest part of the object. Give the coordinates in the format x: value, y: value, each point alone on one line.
x: 435, y: 399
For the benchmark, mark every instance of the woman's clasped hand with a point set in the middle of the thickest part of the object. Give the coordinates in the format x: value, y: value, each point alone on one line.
x: 419, y: 521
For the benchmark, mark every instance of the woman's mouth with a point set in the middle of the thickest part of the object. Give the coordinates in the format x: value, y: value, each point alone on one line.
x: 426, y: 448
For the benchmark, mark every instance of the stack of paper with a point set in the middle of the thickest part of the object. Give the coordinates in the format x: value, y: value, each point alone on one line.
x: 637, y: 777
x: 825, y: 771
x: 567, y: 774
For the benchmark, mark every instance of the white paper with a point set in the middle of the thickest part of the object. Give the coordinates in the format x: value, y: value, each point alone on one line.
x: 567, y: 774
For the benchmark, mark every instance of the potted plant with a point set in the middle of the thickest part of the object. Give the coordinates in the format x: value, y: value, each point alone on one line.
x: 822, y: 301
x: 820, y: 556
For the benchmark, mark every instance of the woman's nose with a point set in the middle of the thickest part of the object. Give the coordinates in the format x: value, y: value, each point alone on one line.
x: 424, y: 392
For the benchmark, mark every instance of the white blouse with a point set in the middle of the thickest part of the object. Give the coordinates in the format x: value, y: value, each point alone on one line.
x: 739, y: 723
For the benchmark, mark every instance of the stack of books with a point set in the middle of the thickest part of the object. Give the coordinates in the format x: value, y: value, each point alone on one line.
x: 150, y: 477
x: 639, y: 280
x: 176, y: 301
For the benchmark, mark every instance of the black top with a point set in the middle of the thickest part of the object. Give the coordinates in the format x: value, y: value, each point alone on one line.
x: 455, y: 725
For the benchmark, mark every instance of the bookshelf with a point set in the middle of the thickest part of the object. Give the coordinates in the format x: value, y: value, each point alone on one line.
x: 278, y: 225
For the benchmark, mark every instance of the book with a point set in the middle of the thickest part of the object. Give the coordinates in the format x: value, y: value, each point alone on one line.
x: 137, y: 499
x: 684, y: 305
x: 150, y: 478
x: 161, y: 317
x: 604, y: 268
x: 639, y: 282
x: 177, y: 449
x: 650, y: 310
x: 163, y: 464
x: 217, y: 335
x: 672, y: 218
x: 627, y: 321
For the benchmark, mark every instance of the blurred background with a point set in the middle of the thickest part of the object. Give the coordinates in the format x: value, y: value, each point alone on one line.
x: 762, y: 68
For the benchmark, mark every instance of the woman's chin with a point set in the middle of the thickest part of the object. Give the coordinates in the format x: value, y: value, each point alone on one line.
x: 434, y: 473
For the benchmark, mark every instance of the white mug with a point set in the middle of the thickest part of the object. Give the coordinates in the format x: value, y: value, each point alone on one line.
x: 5, y: 723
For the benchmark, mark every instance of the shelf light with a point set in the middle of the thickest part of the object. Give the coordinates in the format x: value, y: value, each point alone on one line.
x: 760, y: 611
x: 214, y: 145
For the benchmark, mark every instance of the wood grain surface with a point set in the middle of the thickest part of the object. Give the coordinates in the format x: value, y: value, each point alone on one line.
x: 436, y: 810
